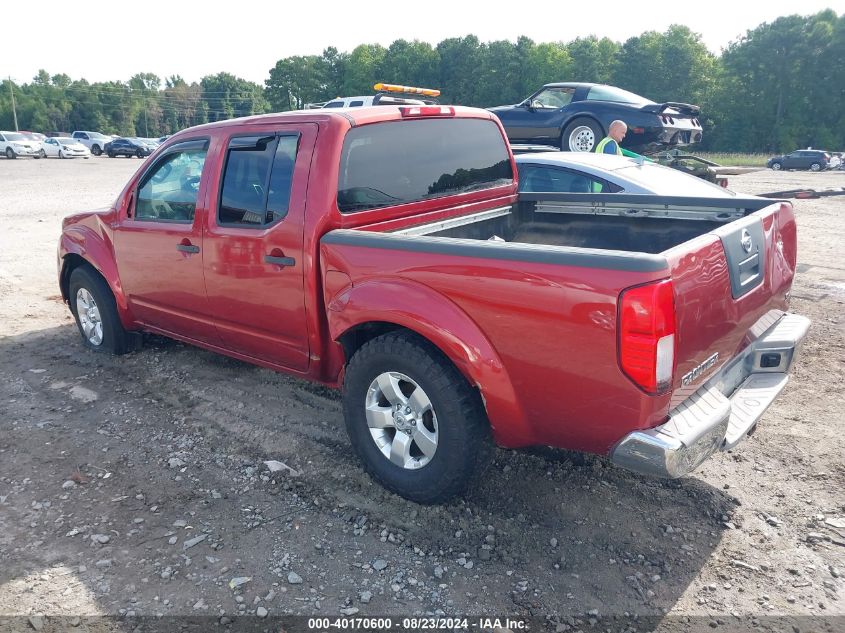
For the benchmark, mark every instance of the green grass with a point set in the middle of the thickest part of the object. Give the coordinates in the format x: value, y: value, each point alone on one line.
x: 736, y: 159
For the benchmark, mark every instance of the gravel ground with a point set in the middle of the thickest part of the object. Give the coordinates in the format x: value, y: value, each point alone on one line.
x: 136, y: 485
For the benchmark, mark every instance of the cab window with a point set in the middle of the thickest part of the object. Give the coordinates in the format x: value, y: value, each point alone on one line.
x: 168, y: 191
x: 257, y: 180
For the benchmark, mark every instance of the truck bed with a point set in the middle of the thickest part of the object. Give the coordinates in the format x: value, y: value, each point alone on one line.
x: 621, y: 223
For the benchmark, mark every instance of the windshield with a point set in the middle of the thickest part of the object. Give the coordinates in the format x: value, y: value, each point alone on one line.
x: 66, y: 141
x: 617, y: 95
x: 670, y: 182
x: 14, y: 136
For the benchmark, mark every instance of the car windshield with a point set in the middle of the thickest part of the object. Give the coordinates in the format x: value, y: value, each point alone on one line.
x: 670, y: 182
x: 14, y: 136
x: 617, y: 95
x: 97, y: 136
x: 67, y: 141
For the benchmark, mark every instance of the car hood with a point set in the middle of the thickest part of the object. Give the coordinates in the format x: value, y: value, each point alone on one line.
x: 504, y: 108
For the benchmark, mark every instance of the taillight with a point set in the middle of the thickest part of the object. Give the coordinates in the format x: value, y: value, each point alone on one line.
x: 427, y: 111
x: 647, y: 335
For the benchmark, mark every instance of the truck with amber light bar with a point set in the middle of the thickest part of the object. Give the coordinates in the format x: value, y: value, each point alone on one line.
x: 386, y: 94
x: 387, y: 252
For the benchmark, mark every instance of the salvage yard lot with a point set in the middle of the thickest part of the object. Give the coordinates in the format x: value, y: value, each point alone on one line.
x: 111, y: 468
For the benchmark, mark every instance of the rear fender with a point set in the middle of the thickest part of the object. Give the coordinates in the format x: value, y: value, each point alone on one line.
x: 81, y: 241
x: 420, y: 309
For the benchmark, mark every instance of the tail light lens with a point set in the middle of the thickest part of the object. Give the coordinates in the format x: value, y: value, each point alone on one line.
x: 647, y: 335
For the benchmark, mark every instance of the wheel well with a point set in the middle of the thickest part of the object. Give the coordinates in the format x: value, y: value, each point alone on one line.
x: 352, y: 340
x: 71, y: 262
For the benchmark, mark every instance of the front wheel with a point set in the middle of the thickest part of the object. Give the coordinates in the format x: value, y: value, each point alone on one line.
x: 62, y: 154
x: 10, y: 153
x: 93, y: 306
x: 777, y: 166
x: 111, y: 155
x: 95, y: 149
x: 42, y: 154
x: 139, y: 154
x: 816, y: 167
x: 414, y: 421
x: 581, y: 135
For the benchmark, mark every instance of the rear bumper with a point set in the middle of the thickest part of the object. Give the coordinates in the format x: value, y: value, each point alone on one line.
x: 723, y: 411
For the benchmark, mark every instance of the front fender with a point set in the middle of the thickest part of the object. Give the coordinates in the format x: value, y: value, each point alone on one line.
x: 82, y: 241
x: 432, y: 315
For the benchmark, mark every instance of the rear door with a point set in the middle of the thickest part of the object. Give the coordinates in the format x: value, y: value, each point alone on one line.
x: 254, y: 258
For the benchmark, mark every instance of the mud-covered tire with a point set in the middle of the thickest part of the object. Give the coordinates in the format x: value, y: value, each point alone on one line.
x: 86, y: 284
x: 463, y: 444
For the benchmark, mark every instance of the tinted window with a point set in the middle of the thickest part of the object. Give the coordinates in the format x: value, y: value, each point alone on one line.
x: 334, y: 104
x: 257, y: 180
x: 617, y: 95
x: 168, y: 191
x: 355, y: 104
x: 396, y: 162
x: 556, y: 180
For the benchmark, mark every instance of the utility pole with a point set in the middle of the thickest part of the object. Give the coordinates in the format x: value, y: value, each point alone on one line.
x: 14, y: 111
x: 146, y: 130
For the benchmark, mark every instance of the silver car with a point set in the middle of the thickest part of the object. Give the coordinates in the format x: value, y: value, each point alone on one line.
x: 580, y: 172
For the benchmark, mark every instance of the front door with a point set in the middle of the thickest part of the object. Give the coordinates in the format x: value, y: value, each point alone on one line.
x: 254, y: 259
x: 158, y: 244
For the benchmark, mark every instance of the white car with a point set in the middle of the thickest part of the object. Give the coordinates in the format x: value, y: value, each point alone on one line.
x: 14, y: 144
x: 94, y: 141
x: 65, y: 147
x: 581, y: 172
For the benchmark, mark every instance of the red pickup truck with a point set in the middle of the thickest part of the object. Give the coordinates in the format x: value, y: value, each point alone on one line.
x: 386, y: 251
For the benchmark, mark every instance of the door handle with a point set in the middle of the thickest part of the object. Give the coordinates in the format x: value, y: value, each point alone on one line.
x: 187, y: 248
x: 279, y: 261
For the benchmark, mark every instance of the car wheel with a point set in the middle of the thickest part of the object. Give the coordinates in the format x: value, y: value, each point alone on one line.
x: 95, y: 149
x: 777, y: 166
x: 581, y: 135
x: 10, y: 153
x: 93, y: 306
x: 111, y: 154
x: 816, y: 167
x: 42, y: 154
x: 139, y: 154
x: 62, y: 154
x: 413, y: 420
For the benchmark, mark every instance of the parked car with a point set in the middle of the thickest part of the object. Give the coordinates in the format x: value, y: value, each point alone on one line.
x: 812, y: 159
x: 580, y: 172
x: 576, y: 116
x: 387, y: 94
x: 14, y: 144
x: 128, y: 147
x: 34, y: 136
x: 64, y: 147
x: 317, y: 244
x: 94, y: 141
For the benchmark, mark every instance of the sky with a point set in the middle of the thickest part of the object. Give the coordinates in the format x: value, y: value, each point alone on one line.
x: 102, y: 40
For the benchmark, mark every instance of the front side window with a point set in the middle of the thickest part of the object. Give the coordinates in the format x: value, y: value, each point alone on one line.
x: 168, y: 192
x: 396, y: 162
x: 553, y: 98
x: 257, y: 180
x: 334, y: 104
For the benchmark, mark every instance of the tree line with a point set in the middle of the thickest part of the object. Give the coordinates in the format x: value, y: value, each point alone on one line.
x: 779, y: 87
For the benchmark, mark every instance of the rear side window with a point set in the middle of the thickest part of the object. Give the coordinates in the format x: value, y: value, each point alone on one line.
x: 396, y: 162
x: 257, y: 180
x: 541, y: 179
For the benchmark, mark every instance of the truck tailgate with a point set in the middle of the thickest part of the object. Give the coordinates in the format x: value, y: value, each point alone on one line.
x: 725, y: 282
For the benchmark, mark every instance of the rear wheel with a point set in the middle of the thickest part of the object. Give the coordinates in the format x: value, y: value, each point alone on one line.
x: 581, y: 135
x: 816, y: 167
x: 93, y: 306
x: 777, y: 166
x: 414, y: 421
